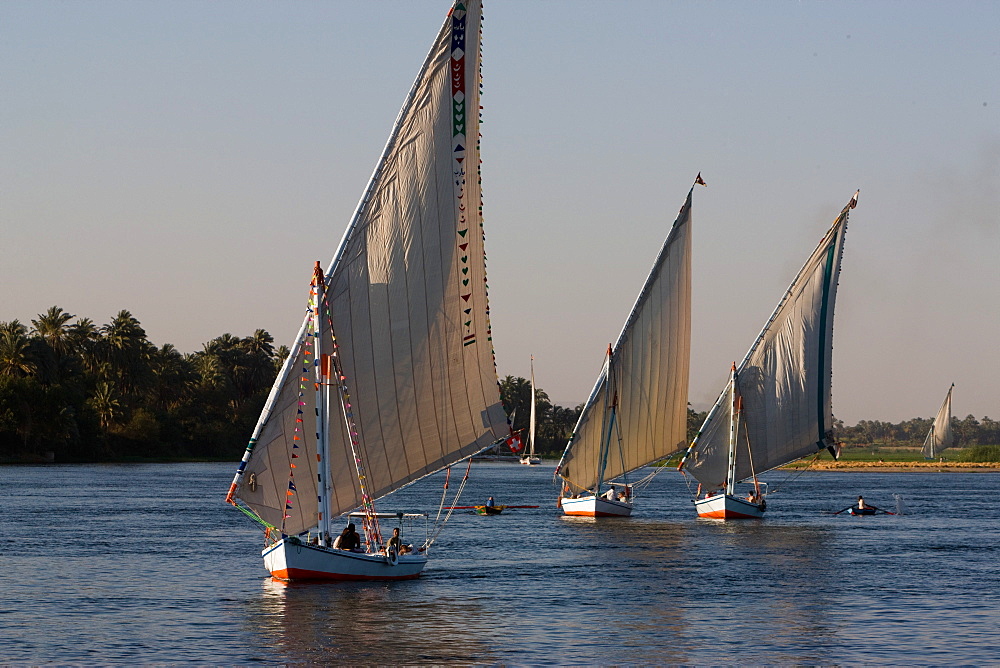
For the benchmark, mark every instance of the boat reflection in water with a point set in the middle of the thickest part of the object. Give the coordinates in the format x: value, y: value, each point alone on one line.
x: 366, y: 623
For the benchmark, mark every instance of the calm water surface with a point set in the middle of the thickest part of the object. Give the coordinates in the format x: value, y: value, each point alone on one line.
x: 146, y: 564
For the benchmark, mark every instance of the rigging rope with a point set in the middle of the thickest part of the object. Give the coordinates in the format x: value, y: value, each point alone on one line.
x: 444, y: 493
x: 793, y: 476
x: 439, y: 526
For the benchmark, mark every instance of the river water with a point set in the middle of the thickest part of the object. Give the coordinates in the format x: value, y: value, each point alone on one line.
x: 146, y: 564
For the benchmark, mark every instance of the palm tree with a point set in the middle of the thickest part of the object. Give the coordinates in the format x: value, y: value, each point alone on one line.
x: 260, y: 362
x: 127, y: 350
x: 515, y: 393
x: 172, y: 376
x: 15, y: 356
x: 83, y: 337
x: 105, y: 402
x: 52, y: 328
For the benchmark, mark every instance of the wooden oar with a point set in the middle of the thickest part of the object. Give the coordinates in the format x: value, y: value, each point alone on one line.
x: 879, y: 510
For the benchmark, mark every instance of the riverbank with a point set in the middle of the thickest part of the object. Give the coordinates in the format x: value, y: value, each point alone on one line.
x: 898, y: 467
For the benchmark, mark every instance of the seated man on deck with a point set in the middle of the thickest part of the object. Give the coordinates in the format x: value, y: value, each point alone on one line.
x: 348, y: 539
x: 396, y: 544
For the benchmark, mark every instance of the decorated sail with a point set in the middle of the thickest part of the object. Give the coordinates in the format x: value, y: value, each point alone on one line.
x: 640, y: 397
x: 403, y: 311
x: 782, y: 387
x: 940, y: 437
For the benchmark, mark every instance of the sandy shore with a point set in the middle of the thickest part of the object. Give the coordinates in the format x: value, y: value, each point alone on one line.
x: 985, y: 467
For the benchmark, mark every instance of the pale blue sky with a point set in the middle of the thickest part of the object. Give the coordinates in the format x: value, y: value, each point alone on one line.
x: 188, y: 161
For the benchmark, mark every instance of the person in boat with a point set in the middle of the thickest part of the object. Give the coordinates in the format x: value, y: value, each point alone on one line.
x: 610, y: 494
x: 489, y: 502
x: 396, y: 543
x: 348, y: 539
x: 861, y: 502
x: 751, y: 497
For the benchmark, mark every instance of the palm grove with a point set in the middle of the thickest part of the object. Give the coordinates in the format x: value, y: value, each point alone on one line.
x: 71, y: 390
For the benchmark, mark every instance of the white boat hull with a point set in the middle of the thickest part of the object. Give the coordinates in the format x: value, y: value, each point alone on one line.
x: 531, y: 461
x: 592, y: 506
x: 288, y: 560
x: 728, y: 507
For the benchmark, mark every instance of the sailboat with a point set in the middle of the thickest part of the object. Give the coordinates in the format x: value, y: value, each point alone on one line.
x: 529, y: 458
x: 939, y: 436
x: 637, y: 412
x: 391, y: 376
x: 776, y: 407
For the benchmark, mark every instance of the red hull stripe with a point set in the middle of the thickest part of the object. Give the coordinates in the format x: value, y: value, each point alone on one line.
x: 304, y: 574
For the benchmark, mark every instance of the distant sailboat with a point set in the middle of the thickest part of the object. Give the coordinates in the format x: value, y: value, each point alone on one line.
x: 391, y: 376
x: 776, y: 406
x: 529, y: 458
x: 939, y: 436
x: 637, y: 411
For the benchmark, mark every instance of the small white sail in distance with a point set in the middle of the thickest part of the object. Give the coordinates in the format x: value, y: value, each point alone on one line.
x: 940, y: 434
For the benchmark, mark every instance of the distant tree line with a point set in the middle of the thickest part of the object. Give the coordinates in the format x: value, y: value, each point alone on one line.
x: 75, y: 391
x: 968, y: 432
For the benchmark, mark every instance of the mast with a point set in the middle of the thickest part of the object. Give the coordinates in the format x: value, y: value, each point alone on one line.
x: 734, y: 426
x: 531, y: 419
x: 321, y: 363
x: 607, y: 426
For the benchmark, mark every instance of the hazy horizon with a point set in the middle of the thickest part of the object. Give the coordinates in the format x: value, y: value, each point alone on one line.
x: 189, y: 162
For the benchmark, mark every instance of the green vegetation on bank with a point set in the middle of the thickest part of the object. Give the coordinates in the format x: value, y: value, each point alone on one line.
x: 73, y: 391
x: 979, y: 453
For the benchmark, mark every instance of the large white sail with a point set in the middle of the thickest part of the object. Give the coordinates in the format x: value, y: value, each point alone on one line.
x: 648, y: 373
x: 783, y: 382
x: 407, y: 302
x: 940, y: 436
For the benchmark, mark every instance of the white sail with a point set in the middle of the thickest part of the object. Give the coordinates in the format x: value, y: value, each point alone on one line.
x: 783, y: 382
x: 940, y: 437
x: 648, y: 374
x: 407, y: 302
